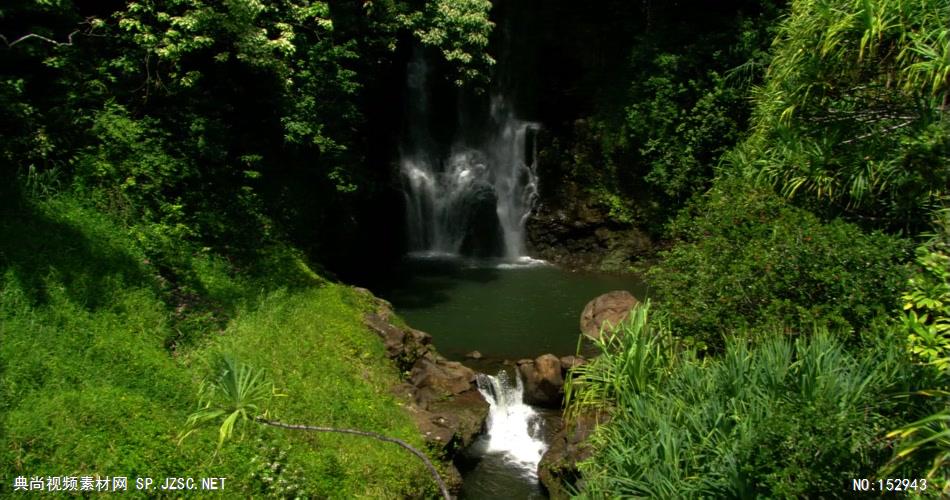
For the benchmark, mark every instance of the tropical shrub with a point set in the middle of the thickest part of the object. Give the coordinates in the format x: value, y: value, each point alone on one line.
x: 670, y: 103
x: 680, y: 133
x: 745, y: 257
x: 927, y: 304
x: 926, y: 319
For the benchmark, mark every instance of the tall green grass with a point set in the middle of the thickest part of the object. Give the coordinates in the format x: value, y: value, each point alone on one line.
x: 785, y: 418
x: 639, y: 355
x: 86, y: 385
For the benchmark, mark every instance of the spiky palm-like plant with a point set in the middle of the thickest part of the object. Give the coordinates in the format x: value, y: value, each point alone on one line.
x: 776, y: 418
x: 234, y: 394
x: 854, y: 108
x: 632, y: 354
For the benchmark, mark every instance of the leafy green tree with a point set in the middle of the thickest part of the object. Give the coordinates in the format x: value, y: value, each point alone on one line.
x: 227, y: 123
x: 460, y: 29
x: 669, y: 107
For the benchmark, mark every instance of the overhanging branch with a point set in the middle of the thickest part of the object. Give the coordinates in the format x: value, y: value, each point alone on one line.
x: 90, y: 22
x: 28, y: 36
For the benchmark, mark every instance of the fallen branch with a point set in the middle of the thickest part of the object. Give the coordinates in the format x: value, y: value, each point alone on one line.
x: 422, y: 456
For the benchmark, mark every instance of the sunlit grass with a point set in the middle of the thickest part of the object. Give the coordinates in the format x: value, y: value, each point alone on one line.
x: 88, y: 384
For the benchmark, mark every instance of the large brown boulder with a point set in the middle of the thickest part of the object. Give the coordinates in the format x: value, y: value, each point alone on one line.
x: 451, y: 424
x: 465, y: 414
x: 543, y: 383
x: 446, y: 378
x: 445, y: 403
x: 606, y: 311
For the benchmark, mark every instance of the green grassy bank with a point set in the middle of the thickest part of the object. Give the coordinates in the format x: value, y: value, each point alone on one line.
x: 101, y: 360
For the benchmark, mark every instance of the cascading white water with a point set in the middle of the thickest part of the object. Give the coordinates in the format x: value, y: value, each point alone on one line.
x: 514, y: 428
x: 443, y: 193
x: 515, y: 176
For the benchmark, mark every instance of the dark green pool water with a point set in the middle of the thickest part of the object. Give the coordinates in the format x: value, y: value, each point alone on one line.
x: 506, y: 312
x: 503, y: 311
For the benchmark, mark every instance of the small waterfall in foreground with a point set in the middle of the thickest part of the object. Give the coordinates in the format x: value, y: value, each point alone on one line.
x: 448, y: 195
x: 514, y: 428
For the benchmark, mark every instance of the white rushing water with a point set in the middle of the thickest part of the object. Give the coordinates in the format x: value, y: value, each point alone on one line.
x: 444, y: 193
x: 514, y: 428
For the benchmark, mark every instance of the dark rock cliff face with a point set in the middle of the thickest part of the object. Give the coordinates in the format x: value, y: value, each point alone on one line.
x: 573, y: 231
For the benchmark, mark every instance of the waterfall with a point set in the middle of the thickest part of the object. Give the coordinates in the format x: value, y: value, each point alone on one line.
x: 444, y: 192
x: 514, y: 428
x: 515, y: 177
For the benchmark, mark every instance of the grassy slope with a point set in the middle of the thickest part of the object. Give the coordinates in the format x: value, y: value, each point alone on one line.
x: 87, y: 386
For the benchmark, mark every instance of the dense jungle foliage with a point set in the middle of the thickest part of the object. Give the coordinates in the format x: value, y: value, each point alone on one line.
x: 798, y: 339
x: 182, y: 178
